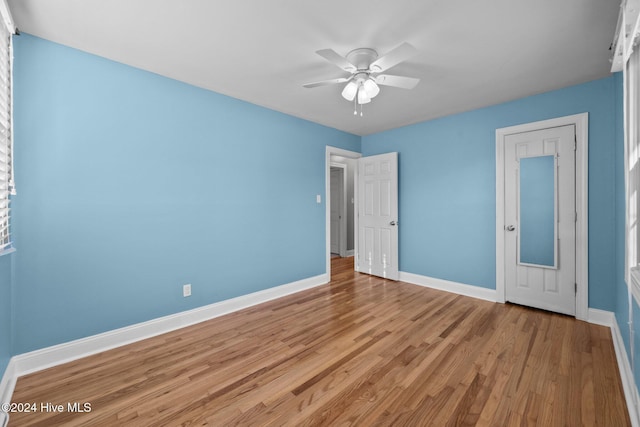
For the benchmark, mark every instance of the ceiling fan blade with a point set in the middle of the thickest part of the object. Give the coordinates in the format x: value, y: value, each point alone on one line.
x: 396, y: 56
x: 333, y: 57
x: 396, y: 81
x: 327, y: 82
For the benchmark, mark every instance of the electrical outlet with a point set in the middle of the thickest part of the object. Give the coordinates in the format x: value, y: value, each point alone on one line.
x: 186, y: 290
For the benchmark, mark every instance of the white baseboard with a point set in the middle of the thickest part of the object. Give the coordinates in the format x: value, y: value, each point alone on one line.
x: 445, y: 285
x: 37, y: 360
x: 601, y: 317
x: 351, y: 252
x: 607, y: 318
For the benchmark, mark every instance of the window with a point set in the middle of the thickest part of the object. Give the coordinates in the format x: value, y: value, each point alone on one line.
x: 7, y: 187
x: 632, y: 157
x: 627, y: 59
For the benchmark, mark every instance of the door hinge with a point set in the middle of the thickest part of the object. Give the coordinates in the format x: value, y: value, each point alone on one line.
x: 576, y: 218
x: 575, y: 143
x: 575, y: 288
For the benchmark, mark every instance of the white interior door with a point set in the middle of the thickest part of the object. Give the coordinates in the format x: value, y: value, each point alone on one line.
x: 378, y: 215
x: 336, y: 209
x: 540, y: 217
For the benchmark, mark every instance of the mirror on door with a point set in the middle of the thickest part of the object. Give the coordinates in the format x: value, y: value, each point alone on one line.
x: 537, y: 234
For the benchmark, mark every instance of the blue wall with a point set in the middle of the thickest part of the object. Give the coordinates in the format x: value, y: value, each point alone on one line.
x: 5, y: 312
x: 132, y: 184
x: 447, y: 186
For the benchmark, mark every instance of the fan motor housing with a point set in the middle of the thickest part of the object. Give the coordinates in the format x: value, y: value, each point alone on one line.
x: 362, y: 57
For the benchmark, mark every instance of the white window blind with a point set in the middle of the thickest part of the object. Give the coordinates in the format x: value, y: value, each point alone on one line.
x: 6, y: 144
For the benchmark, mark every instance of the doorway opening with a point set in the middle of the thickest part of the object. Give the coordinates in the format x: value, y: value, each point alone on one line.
x: 338, y: 204
x: 341, y: 220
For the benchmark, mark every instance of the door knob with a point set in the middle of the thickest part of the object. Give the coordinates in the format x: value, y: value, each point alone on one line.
x: 510, y: 228
x: 393, y: 223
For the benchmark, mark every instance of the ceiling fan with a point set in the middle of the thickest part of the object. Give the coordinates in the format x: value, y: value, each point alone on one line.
x: 365, y: 67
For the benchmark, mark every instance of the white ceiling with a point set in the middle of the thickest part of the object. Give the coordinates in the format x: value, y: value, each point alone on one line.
x: 470, y: 53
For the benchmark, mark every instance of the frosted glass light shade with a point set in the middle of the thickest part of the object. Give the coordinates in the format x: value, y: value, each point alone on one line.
x: 371, y: 88
x: 363, y: 97
x: 349, y: 91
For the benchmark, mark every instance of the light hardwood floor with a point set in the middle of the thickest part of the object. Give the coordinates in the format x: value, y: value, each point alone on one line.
x: 358, y: 351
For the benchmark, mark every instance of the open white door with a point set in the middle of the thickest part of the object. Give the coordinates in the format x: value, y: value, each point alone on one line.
x: 378, y: 215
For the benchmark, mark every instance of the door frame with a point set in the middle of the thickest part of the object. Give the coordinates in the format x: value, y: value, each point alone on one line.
x: 581, y: 123
x: 327, y: 197
x: 342, y: 245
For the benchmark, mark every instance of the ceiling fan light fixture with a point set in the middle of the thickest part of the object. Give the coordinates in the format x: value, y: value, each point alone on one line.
x: 364, y: 66
x: 349, y: 91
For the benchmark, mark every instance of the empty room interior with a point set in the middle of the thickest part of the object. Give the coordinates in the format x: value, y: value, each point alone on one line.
x: 319, y: 213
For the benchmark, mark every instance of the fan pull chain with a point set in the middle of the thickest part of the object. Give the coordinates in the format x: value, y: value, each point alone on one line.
x: 355, y: 104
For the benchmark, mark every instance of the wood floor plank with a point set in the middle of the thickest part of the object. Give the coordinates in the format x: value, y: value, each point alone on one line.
x: 360, y: 350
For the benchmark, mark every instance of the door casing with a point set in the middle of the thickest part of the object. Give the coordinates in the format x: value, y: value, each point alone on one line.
x: 581, y: 122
